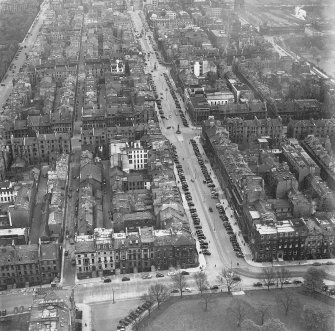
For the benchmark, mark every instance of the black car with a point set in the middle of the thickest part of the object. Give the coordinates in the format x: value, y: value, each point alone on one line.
x: 107, y: 280
x: 125, y: 279
x: 258, y: 284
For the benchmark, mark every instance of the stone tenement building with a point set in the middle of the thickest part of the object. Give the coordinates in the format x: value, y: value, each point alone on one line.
x: 107, y: 253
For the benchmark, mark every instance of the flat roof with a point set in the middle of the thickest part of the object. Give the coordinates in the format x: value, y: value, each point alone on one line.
x: 13, y: 232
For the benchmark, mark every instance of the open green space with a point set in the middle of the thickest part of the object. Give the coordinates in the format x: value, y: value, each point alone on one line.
x: 13, y: 28
x: 19, y: 322
x: 189, y: 312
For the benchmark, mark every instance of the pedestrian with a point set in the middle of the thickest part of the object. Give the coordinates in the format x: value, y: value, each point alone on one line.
x: 215, y: 266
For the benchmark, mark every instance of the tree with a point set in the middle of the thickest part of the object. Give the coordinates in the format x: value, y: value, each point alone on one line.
x: 315, y: 318
x: 264, y: 312
x: 286, y: 300
x: 158, y: 293
x: 313, y: 279
x: 212, y: 78
x: 207, y: 298
x: 268, y: 277
x: 282, y: 275
x: 229, y: 279
x: 238, y: 310
x: 201, y: 281
x: 147, y: 299
x: 179, y: 281
x: 137, y: 323
x: 270, y: 325
x: 127, y: 68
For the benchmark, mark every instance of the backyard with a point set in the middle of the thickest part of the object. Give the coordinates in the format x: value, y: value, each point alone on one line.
x: 189, y: 313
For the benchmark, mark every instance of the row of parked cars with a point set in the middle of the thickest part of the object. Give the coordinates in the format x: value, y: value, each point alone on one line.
x: 177, y: 103
x: 158, y: 101
x: 133, y: 316
x: 229, y: 229
x: 196, y: 220
x: 208, y: 179
x: 296, y: 282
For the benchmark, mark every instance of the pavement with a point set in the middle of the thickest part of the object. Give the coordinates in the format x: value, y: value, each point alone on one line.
x: 86, y: 317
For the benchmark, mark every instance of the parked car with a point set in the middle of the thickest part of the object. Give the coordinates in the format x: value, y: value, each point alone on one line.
x: 125, y: 279
x: 146, y: 276
x: 107, y: 280
x: 159, y: 274
x: 185, y: 273
x: 258, y: 284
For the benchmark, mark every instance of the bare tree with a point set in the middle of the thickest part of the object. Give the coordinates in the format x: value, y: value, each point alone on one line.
x: 179, y: 281
x: 207, y: 298
x: 201, y: 281
x: 238, y: 309
x: 137, y: 322
x: 270, y: 325
x: 268, y: 277
x: 229, y: 279
x: 147, y: 299
x: 286, y: 300
x: 158, y: 293
x: 282, y: 276
x: 264, y: 312
x: 315, y: 318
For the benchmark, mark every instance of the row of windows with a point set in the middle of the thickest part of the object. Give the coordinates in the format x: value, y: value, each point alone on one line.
x: 10, y: 198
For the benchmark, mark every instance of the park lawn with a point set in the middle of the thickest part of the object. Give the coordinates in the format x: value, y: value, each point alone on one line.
x: 189, y: 314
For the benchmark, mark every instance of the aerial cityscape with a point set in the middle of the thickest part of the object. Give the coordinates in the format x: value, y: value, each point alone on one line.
x: 167, y: 165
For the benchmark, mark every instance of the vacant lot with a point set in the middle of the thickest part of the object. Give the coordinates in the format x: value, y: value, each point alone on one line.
x: 189, y: 313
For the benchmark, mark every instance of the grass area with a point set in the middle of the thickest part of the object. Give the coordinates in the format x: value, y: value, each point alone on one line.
x: 106, y: 315
x: 189, y: 313
x: 18, y: 322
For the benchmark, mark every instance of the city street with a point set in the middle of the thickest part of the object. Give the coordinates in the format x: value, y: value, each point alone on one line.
x: 68, y: 270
